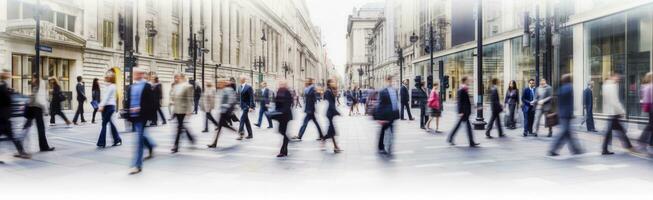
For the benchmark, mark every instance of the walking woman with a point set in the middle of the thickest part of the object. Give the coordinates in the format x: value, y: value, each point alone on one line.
x: 207, y: 105
x: 283, y: 111
x: 435, y: 107
x: 354, y: 101
x: 512, y: 99
x: 55, y: 102
x: 34, y: 112
x: 107, y: 107
x: 227, y: 104
x: 95, y: 97
x: 183, y: 98
x: 646, y: 138
x: 330, y: 96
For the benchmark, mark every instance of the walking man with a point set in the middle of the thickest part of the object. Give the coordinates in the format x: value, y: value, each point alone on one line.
x: 497, y: 108
x: 464, y: 111
x: 386, y: 112
x: 405, y: 99
x: 310, y: 98
x: 5, y: 114
x: 141, y: 109
x: 565, y: 114
x: 264, y: 101
x: 34, y: 112
x: 528, y: 107
x: 81, y: 98
x: 614, y: 109
x: 247, y: 105
x: 588, y: 105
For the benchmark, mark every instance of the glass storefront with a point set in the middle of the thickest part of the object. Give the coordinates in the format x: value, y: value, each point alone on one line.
x: 620, y: 44
x: 523, y: 61
x: 456, y: 66
x: 492, y: 68
x: 21, y: 70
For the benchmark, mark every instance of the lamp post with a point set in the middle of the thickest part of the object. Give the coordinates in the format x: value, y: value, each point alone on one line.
x: 262, y: 59
x: 413, y: 39
x: 479, y: 124
x: 400, y: 62
x: 360, y: 77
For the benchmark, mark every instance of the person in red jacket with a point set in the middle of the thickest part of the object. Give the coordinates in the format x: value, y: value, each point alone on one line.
x: 435, y: 107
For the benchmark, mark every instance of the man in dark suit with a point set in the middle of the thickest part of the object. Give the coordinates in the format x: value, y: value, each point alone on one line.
x: 5, y: 114
x: 386, y: 112
x: 405, y: 98
x: 158, y: 97
x: 496, y: 108
x: 139, y: 100
x: 264, y: 101
x: 310, y: 98
x: 464, y: 111
x: 196, y: 95
x: 81, y: 97
x: 528, y: 107
x: 246, y: 105
x: 565, y: 114
x: 283, y: 102
x: 588, y: 104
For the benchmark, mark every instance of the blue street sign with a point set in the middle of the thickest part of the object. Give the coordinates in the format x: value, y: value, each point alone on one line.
x: 45, y: 48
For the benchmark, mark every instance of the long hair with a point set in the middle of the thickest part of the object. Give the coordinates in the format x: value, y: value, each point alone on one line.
x: 96, y: 85
x: 54, y: 82
x: 512, y: 86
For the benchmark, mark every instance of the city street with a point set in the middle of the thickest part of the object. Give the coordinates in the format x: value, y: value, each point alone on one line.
x: 424, y: 166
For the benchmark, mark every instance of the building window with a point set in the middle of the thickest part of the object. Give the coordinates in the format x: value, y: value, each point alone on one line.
x: 61, y: 20
x: 149, y: 46
x: 107, y: 34
x: 13, y: 9
x: 456, y: 66
x: 175, y: 45
x: 493, y: 67
x: 523, y: 62
x: 70, y: 24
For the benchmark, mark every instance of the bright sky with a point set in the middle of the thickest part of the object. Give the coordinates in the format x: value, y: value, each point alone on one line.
x: 331, y: 17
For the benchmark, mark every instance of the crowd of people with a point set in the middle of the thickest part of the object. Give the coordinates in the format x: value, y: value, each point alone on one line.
x: 143, y: 108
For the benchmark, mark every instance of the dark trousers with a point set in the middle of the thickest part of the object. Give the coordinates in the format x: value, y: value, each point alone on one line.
x: 589, y: 119
x: 196, y: 104
x: 404, y: 105
x: 511, y: 116
x: 283, y: 127
x: 244, y: 123
x: 106, y: 119
x: 36, y: 114
x: 389, y: 126
x: 223, y: 122
x: 647, y: 133
x: 309, y: 117
x: 181, y: 128
x: 54, y: 111
x: 566, y: 136
x: 95, y: 110
x: 262, y: 113
x: 422, y: 116
x: 494, y: 119
x: 79, y: 112
x: 156, y: 117
x: 529, y: 118
x: 209, y: 117
x: 470, y: 135
x: 331, y: 130
x: 6, y: 129
x: 614, y: 124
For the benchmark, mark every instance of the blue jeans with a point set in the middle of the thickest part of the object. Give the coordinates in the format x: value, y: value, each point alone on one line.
x: 106, y: 119
x: 142, y: 141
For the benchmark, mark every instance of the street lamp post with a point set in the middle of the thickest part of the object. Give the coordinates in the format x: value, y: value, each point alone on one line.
x: 479, y: 124
x: 413, y: 39
x: 400, y: 62
x: 37, y: 45
x: 360, y: 77
x: 262, y: 59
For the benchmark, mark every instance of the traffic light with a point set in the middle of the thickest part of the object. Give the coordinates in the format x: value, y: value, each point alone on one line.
x: 445, y: 82
x: 429, y: 81
x: 121, y: 27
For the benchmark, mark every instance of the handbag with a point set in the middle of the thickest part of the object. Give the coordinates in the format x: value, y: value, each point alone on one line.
x: 646, y: 107
x: 551, y: 119
x: 273, y: 114
x: 94, y: 104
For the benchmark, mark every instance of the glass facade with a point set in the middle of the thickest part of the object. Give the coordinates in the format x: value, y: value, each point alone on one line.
x: 620, y: 44
x: 492, y: 68
x: 523, y: 63
x: 456, y: 66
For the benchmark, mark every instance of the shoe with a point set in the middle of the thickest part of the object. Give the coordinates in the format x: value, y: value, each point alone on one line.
x: 383, y: 152
x: 451, y: 143
x: 101, y: 146
x: 75, y: 123
x: 136, y: 170
x: 534, y: 134
x: 117, y: 143
x: 525, y: 134
x: 502, y: 135
x: 281, y: 155
x: 488, y: 136
x: 411, y: 119
x: 296, y: 138
x: 337, y: 150
x: 240, y: 138
x: 270, y: 127
x: 153, y: 124
x: 553, y: 154
x: 607, y: 153
x: 83, y: 121
x: 550, y: 135
x: 474, y: 145
x: 211, y: 145
x: 174, y: 150
x: 249, y: 137
x: 23, y: 155
x: 150, y: 156
x: 257, y: 125
x: 47, y: 149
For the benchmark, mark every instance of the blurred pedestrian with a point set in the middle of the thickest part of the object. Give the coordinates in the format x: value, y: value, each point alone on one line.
x: 543, y: 96
x: 158, y: 97
x: 207, y: 104
x: 34, y: 112
x: 565, y: 114
x: 246, y: 105
x: 171, y: 104
x: 197, y: 93
x: 464, y: 111
x: 55, y: 102
x: 184, y: 103
x: 435, y: 108
x: 95, y: 97
x: 528, y: 107
x: 81, y: 98
x: 353, y: 109
x: 646, y: 138
x: 227, y: 105
x: 332, y: 111
x: 310, y: 98
x: 613, y: 108
x: 588, y: 105
x: 421, y: 96
x: 512, y: 100
x: 264, y: 102
x: 283, y: 114
x: 387, y: 111
x: 107, y: 107
x: 496, y: 107
x: 405, y: 99
x: 140, y: 97
x: 5, y: 114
